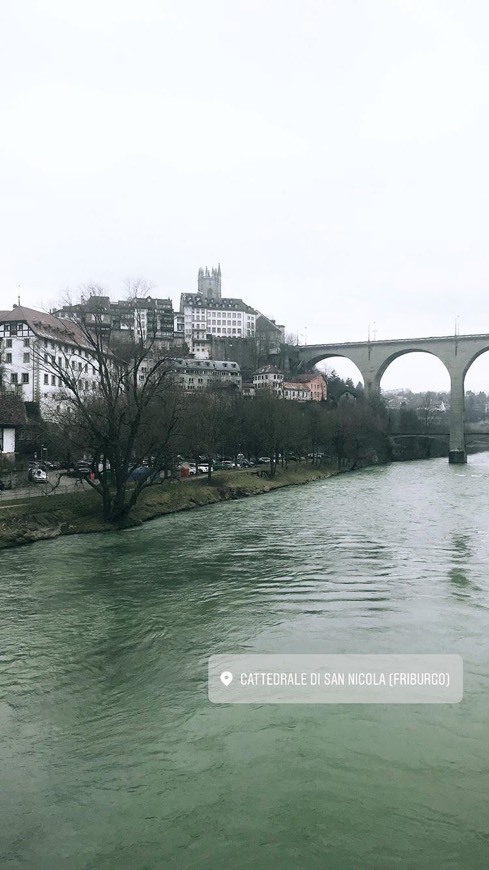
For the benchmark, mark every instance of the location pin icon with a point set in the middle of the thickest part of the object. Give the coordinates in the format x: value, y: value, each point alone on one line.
x: 226, y: 678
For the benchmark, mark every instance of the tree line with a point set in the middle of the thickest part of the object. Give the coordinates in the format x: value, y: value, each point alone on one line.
x: 137, y: 413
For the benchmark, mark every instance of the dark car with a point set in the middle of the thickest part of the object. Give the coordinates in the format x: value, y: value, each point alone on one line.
x: 143, y: 472
x: 81, y: 469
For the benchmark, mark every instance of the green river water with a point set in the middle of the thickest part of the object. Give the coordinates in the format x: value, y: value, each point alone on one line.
x: 111, y: 755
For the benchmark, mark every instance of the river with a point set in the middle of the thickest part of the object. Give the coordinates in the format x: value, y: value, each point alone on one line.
x: 111, y: 755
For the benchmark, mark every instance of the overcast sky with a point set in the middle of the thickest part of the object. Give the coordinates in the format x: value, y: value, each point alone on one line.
x: 330, y: 154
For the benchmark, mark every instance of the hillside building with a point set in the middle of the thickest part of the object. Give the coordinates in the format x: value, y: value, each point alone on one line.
x: 137, y: 319
x: 199, y: 374
x: 269, y: 378
x: 29, y: 342
x: 310, y: 387
x: 206, y: 318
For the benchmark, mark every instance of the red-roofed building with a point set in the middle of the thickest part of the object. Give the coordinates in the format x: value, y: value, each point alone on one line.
x: 315, y: 382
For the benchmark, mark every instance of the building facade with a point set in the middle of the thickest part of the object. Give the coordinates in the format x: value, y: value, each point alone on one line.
x: 296, y: 392
x: 310, y: 387
x: 206, y: 318
x: 315, y: 382
x: 199, y: 374
x: 31, y: 343
x: 137, y: 319
x: 269, y: 378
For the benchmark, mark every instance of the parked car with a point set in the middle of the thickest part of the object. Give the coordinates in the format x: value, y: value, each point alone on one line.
x: 245, y: 463
x: 37, y: 464
x: 37, y: 475
x: 144, y: 472
x: 192, y: 469
x: 263, y: 460
x: 203, y: 468
x: 81, y: 469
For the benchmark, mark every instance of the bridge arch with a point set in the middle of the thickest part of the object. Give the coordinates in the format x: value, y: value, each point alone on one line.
x: 473, y: 358
x: 322, y: 357
x: 406, y: 352
x: 355, y: 374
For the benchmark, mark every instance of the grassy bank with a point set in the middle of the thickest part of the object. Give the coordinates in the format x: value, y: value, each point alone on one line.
x: 80, y: 513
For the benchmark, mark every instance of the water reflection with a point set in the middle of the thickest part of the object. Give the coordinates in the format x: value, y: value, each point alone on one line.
x: 462, y: 555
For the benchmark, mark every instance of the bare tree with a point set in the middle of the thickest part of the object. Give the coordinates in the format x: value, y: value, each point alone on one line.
x: 126, y: 413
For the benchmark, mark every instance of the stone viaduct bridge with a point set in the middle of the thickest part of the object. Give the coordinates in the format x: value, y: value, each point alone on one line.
x: 456, y: 352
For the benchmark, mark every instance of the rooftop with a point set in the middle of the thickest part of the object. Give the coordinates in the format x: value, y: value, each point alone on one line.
x: 12, y: 410
x: 46, y: 325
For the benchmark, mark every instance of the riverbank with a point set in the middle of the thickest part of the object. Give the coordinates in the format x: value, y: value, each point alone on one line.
x: 80, y: 513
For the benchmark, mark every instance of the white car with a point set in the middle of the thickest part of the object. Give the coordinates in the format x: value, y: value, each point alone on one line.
x: 204, y: 468
x: 192, y: 469
x: 37, y: 475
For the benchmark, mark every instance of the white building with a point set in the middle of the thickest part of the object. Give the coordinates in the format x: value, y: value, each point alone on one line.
x: 205, y: 318
x: 31, y: 343
x: 296, y: 392
x: 198, y: 374
x: 206, y: 315
x: 269, y: 378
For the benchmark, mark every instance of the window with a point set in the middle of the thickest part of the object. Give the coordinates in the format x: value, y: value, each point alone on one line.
x: 8, y: 356
x: 9, y: 342
x: 27, y: 342
x: 46, y: 379
x: 53, y: 380
x: 27, y: 357
x: 25, y: 377
x: 13, y: 378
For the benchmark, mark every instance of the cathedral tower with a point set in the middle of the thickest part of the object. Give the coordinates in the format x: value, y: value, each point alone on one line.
x: 209, y: 283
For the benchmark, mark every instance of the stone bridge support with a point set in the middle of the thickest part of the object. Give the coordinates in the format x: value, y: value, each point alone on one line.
x: 457, y: 452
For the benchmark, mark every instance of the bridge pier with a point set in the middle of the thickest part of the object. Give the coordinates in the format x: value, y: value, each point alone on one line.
x: 457, y: 454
